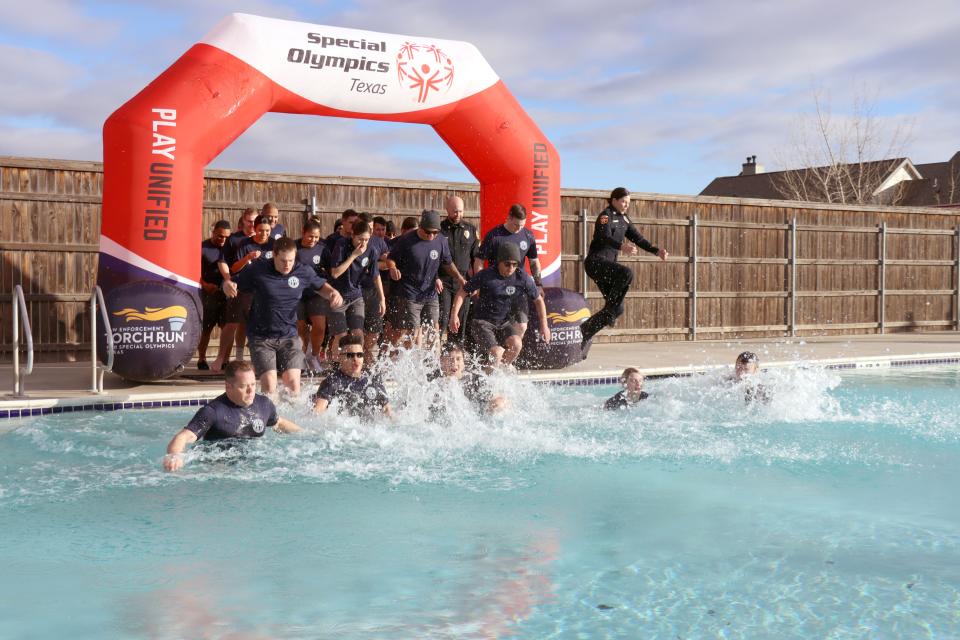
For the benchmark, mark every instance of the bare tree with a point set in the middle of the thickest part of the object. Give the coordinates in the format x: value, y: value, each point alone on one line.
x: 841, y: 160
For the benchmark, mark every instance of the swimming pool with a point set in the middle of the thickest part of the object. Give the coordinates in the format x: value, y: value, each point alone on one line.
x: 830, y: 512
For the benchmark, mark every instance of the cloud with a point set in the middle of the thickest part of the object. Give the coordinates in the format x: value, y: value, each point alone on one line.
x: 56, y: 19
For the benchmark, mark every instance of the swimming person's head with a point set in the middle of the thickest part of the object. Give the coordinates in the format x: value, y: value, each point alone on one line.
x: 632, y: 380
x: 240, y: 382
x: 747, y: 364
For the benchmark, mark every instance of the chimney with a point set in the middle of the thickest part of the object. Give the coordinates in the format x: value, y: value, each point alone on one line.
x: 750, y: 167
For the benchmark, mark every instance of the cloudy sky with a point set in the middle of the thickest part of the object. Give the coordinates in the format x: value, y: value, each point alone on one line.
x: 657, y: 95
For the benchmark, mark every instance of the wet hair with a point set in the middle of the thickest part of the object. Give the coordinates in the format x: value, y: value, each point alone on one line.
x: 348, y: 213
x: 311, y: 225
x: 518, y: 211
x: 351, y: 339
x: 408, y: 224
x: 284, y: 244
x: 261, y: 219
x: 380, y: 220
x: 616, y: 194
x: 746, y: 357
x: 629, y: 371
x: 221, y: 224
x: 234, y: 367
x: 450, y: 348
x: 361, y: 226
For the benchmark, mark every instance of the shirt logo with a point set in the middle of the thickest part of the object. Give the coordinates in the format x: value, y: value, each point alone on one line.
x: 371, y: 393
x: 293, y: 282
x: 604, y: 219
x: 268, y: 255
x: 523, y: 245
x: 257, y: 425
x: 365, y: 261
x: 277, y: 236
x: 466, y: 233
x: 510, y: 290
x: 434, y: 254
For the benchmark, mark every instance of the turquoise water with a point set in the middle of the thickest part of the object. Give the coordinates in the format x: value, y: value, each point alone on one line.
x: 831, y: 512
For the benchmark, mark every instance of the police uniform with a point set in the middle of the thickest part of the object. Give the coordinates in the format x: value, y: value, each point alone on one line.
x: 613, y: 279
x: 464, y: 248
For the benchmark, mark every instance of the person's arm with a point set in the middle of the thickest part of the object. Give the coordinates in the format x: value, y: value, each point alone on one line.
x: 173, y: 461
x: 542, y: 314
x: 387, y: 411
x: 340, y: 269
x: 535, y: 272
x: 636, y: 238
x: 378, y: 285
x: 452, y: 271
x: 224, y: 269
x: 244, y: 261
x: 332, y: 295
x: 286, y: 426
x: 453, y: 324
x: 320, y: 404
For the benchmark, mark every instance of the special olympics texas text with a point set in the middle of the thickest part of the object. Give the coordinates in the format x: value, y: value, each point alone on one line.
x: 319, y: 61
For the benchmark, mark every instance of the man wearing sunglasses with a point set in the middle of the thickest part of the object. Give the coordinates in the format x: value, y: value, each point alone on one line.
x: 214, y: 301
x: 347, y: 387
x: 415, y: 261
x: 502, y: 288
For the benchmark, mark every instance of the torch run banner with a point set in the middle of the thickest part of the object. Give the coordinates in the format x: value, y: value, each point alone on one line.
x: 155, y: 148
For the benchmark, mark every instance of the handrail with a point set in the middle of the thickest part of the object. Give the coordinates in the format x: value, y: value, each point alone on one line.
x: 97, y: 370
x: 20, y: 307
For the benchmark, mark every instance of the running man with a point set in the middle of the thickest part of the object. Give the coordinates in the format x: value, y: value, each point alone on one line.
x: 277, y: 230
x: 352, y: 391
x: 211, y: 277
x: 235, y: 315
x: 351, y: 261
x: 312, y: 308
x: 464, y: 249
x: 240, y: 412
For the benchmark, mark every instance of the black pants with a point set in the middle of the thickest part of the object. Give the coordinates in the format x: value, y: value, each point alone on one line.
x: 449, y: 292
x: 614, y: 281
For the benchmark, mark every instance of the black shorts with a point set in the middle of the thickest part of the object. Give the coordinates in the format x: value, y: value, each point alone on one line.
x: 349, y: 317
x: 275, y: 354
x: 214, y: 309
x: 486, y: 335
x: 372, y: 320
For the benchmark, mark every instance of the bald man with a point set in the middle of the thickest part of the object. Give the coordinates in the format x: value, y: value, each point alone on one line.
x: 464, y: 248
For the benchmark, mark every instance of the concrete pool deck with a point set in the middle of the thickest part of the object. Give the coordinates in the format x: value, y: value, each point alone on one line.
x: 68, y: 384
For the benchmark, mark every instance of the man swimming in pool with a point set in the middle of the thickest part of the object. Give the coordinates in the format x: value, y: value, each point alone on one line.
x: 474, y: 387
x: 632, y: 393
x: 747, y: 366
x: 240, y: 412
x: 353, y: 392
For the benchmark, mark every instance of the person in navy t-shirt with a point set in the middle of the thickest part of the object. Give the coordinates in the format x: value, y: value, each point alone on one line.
x: 514, y: 232
x: 372, y: 294
x: 415, y: 261
x: 349, y: 388
x: 312, y: 310
x: 351, y: 261
x: 502, y: 289
x: 277, y: 286
x: 238, y: 413
x: 259, y: 246
x: 277, y: 230
x: 214, y: 302
x: 235, y: 314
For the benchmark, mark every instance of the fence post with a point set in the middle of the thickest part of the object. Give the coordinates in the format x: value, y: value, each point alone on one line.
x: 584, y: 245
x: 694, y: 252
x: 883, y: 277
x: 793, y: 277
x: 956, y: 278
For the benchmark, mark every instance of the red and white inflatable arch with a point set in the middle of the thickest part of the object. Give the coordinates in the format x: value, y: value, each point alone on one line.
x: 155, y: 148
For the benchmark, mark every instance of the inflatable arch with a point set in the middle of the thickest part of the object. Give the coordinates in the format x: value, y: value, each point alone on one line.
x: 155, y: 148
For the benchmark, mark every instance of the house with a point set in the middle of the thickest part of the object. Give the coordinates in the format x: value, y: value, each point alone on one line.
x: 896, y: 181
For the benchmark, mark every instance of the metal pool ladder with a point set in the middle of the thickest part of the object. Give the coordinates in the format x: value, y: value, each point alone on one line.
x: 97, y: 370
x: 20, y: 309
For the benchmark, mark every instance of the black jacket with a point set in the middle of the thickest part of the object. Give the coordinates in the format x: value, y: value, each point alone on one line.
x: 608, y: 233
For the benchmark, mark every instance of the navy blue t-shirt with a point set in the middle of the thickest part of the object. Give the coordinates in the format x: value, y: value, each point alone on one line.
x: 365, y: 265
x: 210, y: 257
x: 357, y: 396
x: 497, y: 293
x: 278, y: 231
x: 233, y: 243
x: 316, y: 257
x: 221, y: 419
x: 419, y: 262
x: 273, y: 313
x: 331, y: 239
x: 249, y: 246
x: 380, y: 245
x: 523, y: 239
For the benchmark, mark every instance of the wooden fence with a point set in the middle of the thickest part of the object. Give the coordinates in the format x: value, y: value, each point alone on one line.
x: 737, y: 267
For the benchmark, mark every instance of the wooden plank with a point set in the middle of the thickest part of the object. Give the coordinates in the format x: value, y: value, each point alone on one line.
x: 48, y: 247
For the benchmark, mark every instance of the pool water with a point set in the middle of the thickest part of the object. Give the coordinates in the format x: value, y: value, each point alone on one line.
x: 831, y: 512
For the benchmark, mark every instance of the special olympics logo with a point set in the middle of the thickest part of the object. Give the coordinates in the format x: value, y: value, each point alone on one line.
x: 365, y: 262
x: 371, y: 393
x: 268, y: 255
x: 523, y: 245
x: 424, y: 68
x: 316, y: 259
x: 277, y: 236
x: 434, y: 254
x: 257, y: 425
x: 511, y: 290
x: 293, y: 282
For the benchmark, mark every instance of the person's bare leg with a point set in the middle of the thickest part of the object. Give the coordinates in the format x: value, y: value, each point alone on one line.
x: 227, y: 334
x: 268, y: 384
x: 513, y: 347
x: 291, y: 381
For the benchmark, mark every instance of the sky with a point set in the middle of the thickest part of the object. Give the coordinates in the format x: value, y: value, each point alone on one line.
x: 658, y: 96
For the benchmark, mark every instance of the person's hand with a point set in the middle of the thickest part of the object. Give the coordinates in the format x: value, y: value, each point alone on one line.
x: 335, y: 300
x: 230, y: 288
x: 358, y: 250
x: 545, y: 334
x: 394, y: 273
x: 629, y: 248
x: 253, y: 255
x: 662, y: 254
x: 383, y: 307
x: 453, y: 325
x: 208, y: 287
x: 173, y: 461
x: 438, y: 284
